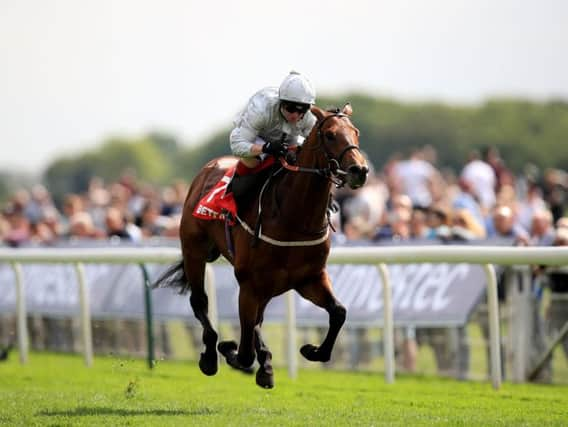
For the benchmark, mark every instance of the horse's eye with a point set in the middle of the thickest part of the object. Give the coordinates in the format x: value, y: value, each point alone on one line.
x: 330, y: 136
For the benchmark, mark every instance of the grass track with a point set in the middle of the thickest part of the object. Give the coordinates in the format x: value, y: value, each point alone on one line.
x: 59, y: 390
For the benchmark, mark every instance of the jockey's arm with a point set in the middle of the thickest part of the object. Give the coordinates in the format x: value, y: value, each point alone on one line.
x: 242, y: 145
x: 244, y: 136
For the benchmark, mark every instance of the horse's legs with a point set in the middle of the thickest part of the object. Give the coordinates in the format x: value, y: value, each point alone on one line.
x: 195, y: 272
x: 265, y: 374
x: 244, y: 357
x: 320, y: 293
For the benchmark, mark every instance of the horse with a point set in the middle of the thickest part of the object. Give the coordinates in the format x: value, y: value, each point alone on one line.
x: 288, y: 251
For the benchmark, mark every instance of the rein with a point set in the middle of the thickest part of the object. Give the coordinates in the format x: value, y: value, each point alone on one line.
x: 333, y: 171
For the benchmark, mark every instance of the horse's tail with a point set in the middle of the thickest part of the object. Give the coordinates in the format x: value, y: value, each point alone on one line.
x: 173, y: 277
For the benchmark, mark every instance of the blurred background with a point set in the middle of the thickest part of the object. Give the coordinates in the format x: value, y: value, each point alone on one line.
x: 109, y: 108
x: 87, y: 88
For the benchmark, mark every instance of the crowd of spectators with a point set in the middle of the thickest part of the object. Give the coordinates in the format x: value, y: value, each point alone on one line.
x: 412, y: 198
x: 126, y: 210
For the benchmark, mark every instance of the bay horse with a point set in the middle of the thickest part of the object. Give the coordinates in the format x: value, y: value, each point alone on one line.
x: 289, y: 252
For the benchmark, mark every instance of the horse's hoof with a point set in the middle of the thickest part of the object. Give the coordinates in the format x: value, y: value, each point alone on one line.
x: 208, y: 365
x: 312, y: 353
x: 229, y: 350
x: 249, y: 370
x: 264, y: 379
x: 234, y: 363
x: 227, y: 347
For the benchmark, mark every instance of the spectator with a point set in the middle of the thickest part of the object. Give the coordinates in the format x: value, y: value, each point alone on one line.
x: 98, y: 199
x: 41, y: 233
x: 532, y: 203
x: 357, y: 228
x: 150, y: 222
x: 557, y: 312
x: 502, y: 174
x: 555, y: 189
x: 397, y: 228
x: 4, y: 227
x: 438, y: 218
x: 419, y: 225
x: 541, y: 234
x: 465, y: 226
x: 116, y: 225
x: 482, y: 177
x: 467, y: 199
x: 39, y: 203
x: 503, y: 225
x: 418, y: 177
x: 562, y: 223
x: 541, y: 230
x: 72, y: 205
x: 18, y: 231
x: 81, y: 227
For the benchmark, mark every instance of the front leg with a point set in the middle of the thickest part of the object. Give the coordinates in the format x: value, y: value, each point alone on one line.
x: 320, y: 293
x: 265, y: 374
x: 243, y: 358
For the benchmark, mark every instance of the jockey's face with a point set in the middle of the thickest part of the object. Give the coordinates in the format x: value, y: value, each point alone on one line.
x: 292, y: 111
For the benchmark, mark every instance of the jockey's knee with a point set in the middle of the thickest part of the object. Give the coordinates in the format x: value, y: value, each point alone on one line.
x: 249, y: 162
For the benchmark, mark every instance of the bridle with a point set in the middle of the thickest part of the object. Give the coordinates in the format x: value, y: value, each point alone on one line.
x: 333, y: 171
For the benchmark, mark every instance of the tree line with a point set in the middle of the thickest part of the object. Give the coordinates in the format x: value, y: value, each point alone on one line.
x: 524, y: 132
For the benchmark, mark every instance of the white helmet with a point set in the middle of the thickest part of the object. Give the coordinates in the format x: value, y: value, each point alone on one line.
x: 297, y: 88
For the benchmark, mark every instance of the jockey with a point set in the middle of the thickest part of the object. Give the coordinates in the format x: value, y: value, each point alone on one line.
x: 273, y: 119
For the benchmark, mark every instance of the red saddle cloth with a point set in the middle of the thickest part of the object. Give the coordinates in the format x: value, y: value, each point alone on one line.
x: 218, y: 202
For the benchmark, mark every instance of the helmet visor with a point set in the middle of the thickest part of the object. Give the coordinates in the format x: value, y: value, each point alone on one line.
x: 295, y: 107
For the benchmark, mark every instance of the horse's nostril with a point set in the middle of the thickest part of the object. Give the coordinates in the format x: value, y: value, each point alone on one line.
x: 354, y: 170
x: 358, y: 170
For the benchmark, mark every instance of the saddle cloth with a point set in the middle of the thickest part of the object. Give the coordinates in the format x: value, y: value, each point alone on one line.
x: 218, y: 202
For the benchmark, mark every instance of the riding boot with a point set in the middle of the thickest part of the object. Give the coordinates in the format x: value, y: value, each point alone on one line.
x: 241, y: 185
x: 243, y: 182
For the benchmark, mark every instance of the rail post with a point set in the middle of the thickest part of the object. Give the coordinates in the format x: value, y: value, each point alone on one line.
x: 85, y: 314
x: 388, y: 324
x: 23, y: 346
x: 494, y: 333
x: 150, y: 356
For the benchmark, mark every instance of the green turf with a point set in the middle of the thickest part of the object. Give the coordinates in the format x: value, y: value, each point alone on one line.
x: 59, y: 390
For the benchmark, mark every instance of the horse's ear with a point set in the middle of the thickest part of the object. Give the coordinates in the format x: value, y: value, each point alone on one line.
x: 318, y: 112
x: 347, y: 109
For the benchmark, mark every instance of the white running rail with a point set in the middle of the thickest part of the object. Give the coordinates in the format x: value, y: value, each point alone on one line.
x: 379, y: 256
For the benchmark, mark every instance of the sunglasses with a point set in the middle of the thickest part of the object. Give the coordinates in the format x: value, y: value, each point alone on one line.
x: 293, y: 107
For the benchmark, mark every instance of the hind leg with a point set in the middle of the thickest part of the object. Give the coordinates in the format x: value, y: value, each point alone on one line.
x: 195, y: 271
x: 319, y: 292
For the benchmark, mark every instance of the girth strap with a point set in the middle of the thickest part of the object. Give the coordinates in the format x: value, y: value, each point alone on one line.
x: 275, y: 242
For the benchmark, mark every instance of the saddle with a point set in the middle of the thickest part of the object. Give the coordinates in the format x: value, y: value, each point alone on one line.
x: 236, y: 190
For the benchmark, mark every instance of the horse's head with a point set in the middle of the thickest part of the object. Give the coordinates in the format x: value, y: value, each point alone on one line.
x: 336, y: 136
